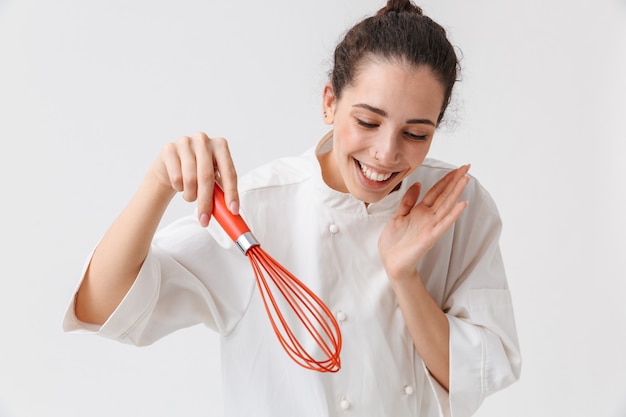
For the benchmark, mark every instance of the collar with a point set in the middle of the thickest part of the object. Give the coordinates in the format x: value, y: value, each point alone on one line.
x: 345, y: 201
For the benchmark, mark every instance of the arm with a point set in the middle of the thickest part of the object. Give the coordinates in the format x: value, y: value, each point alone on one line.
x: 188, y: 166
x: 427, y: 325
x: 409, y: 235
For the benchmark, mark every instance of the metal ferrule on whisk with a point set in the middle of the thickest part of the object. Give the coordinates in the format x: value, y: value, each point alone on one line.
x: 246, y: 241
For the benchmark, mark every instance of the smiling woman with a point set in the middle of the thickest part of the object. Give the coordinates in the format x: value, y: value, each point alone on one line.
x: 403, y: 249
x: 384, y: 123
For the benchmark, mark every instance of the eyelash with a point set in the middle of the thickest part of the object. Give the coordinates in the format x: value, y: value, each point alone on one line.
x: 416, y: 137
x: 367, y: 125
x: 374, y: 125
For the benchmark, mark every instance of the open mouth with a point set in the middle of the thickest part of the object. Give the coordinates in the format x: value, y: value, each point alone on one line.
x: 372, y: 175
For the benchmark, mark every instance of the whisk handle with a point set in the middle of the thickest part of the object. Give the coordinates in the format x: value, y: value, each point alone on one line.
x: 233, y: 224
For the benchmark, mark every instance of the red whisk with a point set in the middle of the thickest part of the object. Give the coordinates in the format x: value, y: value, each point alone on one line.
x: 313, y: 315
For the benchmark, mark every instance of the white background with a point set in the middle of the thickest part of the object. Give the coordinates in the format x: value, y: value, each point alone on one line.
x: 90, y: 91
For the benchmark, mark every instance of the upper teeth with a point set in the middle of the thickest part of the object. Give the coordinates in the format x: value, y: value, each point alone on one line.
x: 372, y: 175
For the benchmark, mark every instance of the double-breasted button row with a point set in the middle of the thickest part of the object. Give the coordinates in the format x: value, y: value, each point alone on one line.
x: 345, y: 404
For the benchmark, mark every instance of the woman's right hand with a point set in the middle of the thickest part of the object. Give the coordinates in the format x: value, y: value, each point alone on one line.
x: 191, y: 165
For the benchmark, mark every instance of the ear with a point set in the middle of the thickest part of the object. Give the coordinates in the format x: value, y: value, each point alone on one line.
x: 328, y: 104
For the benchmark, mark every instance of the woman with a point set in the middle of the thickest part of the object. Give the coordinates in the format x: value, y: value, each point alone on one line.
x: 402, y: 248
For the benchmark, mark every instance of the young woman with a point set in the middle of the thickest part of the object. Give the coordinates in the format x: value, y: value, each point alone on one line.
x: 403, y: 249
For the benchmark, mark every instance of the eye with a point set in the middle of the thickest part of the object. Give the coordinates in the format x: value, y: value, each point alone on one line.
x: 365, y: 124
x: 413, y: 136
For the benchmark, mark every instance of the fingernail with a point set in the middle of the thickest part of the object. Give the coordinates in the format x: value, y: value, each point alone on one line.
x: 204, y: 220
x: 234, y: 207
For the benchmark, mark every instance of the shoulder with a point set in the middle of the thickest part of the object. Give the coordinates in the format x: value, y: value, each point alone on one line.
x: 278, y: 193
x: 432, y: 170
x: 280, y: 173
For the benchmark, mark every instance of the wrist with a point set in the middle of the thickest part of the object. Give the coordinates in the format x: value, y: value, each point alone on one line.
x: 401, y: 277
x: 159, y: 187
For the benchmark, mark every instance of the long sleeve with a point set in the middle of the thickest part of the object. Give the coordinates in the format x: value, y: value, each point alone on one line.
x: 484, y: 349
x: 190, y: 276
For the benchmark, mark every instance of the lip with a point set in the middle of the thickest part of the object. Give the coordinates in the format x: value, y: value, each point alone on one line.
x: 366, y: 182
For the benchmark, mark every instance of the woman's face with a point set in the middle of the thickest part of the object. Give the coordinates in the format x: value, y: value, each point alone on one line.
x: 383, y: 127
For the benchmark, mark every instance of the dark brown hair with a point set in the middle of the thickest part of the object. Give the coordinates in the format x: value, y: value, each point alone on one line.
x: 399, y: 31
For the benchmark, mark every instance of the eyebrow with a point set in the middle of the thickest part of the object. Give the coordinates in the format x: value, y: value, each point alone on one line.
x: 383, y: 113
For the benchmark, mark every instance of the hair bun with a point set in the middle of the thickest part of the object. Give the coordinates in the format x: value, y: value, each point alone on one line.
x: 400, y: 6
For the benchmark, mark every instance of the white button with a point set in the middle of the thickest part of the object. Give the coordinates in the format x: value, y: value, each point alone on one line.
x: 344, y: 404
x: 408, y: 390
x: 341, y: 316
x: 333, y: 228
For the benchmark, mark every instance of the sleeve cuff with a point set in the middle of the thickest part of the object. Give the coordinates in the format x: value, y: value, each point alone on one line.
x: 465, y: 394
x: 131, y: 311
x: 483, y: 353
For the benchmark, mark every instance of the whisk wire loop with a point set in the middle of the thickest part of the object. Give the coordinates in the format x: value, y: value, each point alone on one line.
x: 313, y: 315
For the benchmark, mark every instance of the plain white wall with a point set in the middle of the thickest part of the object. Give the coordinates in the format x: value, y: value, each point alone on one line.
x: 90, y: 91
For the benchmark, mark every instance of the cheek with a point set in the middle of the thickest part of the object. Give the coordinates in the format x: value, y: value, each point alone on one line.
x: 347, y: 139
x: 417, y: 156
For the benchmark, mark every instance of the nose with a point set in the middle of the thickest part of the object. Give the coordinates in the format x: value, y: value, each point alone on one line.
x: 386, y: 149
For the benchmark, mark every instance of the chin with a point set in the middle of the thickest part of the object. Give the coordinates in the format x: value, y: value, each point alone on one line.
x: 368, y: 197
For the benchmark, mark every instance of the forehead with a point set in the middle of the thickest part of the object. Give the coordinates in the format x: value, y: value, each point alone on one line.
x: 388, y: 84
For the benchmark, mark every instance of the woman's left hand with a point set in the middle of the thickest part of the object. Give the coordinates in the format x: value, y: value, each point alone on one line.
x: 414, y: 229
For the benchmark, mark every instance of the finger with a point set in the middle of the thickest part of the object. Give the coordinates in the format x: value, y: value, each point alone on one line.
x: 171, y: 161
x: 450, y: 196
x: 188, y: 168
x: 206, y: 177
x: 447, y: 221
x: 444, y: 186
x: 409, y: 199
x: 431, y: 196
x: 227, y: 173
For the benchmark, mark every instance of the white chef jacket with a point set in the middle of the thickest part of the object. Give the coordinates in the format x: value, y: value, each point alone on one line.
x: 328, y: 239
